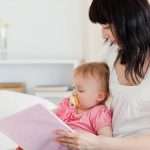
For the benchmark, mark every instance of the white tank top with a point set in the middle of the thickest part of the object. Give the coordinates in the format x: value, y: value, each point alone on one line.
x: 130, y: 104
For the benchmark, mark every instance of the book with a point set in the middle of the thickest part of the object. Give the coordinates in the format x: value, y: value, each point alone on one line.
x: 34, y: 128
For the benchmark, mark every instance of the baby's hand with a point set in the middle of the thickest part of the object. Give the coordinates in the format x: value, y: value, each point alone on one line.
x: 19, y: 148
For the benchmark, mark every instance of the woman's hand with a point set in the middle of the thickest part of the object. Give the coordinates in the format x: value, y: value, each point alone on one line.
x: 78, y: 141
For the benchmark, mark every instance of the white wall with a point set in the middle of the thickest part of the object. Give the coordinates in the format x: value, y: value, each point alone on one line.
x: 93, y: 42
x: 48, y: 29
x: 43, y: 28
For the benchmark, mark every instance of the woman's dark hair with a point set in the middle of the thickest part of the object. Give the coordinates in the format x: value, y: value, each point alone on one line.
x: 131, y: 22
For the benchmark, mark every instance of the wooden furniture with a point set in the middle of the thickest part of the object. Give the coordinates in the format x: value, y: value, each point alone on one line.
x: 18, y: 87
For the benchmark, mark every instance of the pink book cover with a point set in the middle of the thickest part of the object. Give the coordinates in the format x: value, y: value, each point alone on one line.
x: 33, y: 128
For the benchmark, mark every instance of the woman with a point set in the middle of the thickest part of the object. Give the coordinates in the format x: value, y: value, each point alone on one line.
x: 127, y: 24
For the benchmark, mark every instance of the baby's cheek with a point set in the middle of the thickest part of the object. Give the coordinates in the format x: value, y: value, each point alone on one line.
x: 83, y: 103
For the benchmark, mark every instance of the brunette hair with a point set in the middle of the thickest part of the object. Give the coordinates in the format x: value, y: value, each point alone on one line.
x: 130, y: 20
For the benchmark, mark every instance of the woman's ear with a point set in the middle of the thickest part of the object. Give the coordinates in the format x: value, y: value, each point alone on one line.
x: 101, y: 96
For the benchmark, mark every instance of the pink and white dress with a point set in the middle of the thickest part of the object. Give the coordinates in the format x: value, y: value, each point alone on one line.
x: 91, y: 121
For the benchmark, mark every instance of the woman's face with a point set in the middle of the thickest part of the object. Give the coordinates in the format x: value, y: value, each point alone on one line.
x: 108, y: 33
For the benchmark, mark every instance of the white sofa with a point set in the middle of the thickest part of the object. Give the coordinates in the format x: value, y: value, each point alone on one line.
x: 12, y: 102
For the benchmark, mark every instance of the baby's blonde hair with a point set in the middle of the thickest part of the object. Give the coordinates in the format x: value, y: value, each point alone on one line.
x: 98, y: 70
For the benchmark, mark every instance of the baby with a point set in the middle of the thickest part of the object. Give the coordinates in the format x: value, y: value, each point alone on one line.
x: 85, y: 110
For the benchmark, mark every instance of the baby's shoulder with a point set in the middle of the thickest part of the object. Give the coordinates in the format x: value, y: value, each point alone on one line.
x: 100, y: 110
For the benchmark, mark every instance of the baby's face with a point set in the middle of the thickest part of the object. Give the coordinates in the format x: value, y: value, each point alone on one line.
x: 88, y: 90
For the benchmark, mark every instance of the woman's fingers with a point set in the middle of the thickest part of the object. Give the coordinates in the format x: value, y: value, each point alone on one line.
x: 71, y: 146
x: 66, y: 134
x: 69, y: 139
x: 78, y: 141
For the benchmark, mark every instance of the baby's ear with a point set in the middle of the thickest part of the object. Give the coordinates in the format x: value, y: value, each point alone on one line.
x: 101, y: 96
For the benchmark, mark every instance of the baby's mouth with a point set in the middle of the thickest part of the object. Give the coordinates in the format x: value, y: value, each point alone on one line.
x: 74, y: 100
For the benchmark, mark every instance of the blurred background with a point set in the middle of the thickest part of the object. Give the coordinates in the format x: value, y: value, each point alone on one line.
x: 42, y: 41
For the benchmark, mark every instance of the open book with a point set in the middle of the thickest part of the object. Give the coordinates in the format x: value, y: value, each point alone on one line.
x: 34, y: 128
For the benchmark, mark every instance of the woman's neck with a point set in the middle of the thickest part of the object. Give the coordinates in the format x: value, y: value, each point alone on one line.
x: 120, y: 71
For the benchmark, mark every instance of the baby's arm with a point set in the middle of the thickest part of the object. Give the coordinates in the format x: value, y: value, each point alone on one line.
x: 106, y: 131
x: 103, y: 121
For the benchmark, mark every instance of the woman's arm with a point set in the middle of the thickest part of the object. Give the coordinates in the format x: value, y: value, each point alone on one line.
x: 128, y: 143
x: 87, y: 141
x: 106, y: 131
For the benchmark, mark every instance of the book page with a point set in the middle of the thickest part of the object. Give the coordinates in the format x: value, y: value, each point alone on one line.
x: 34, y: 128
